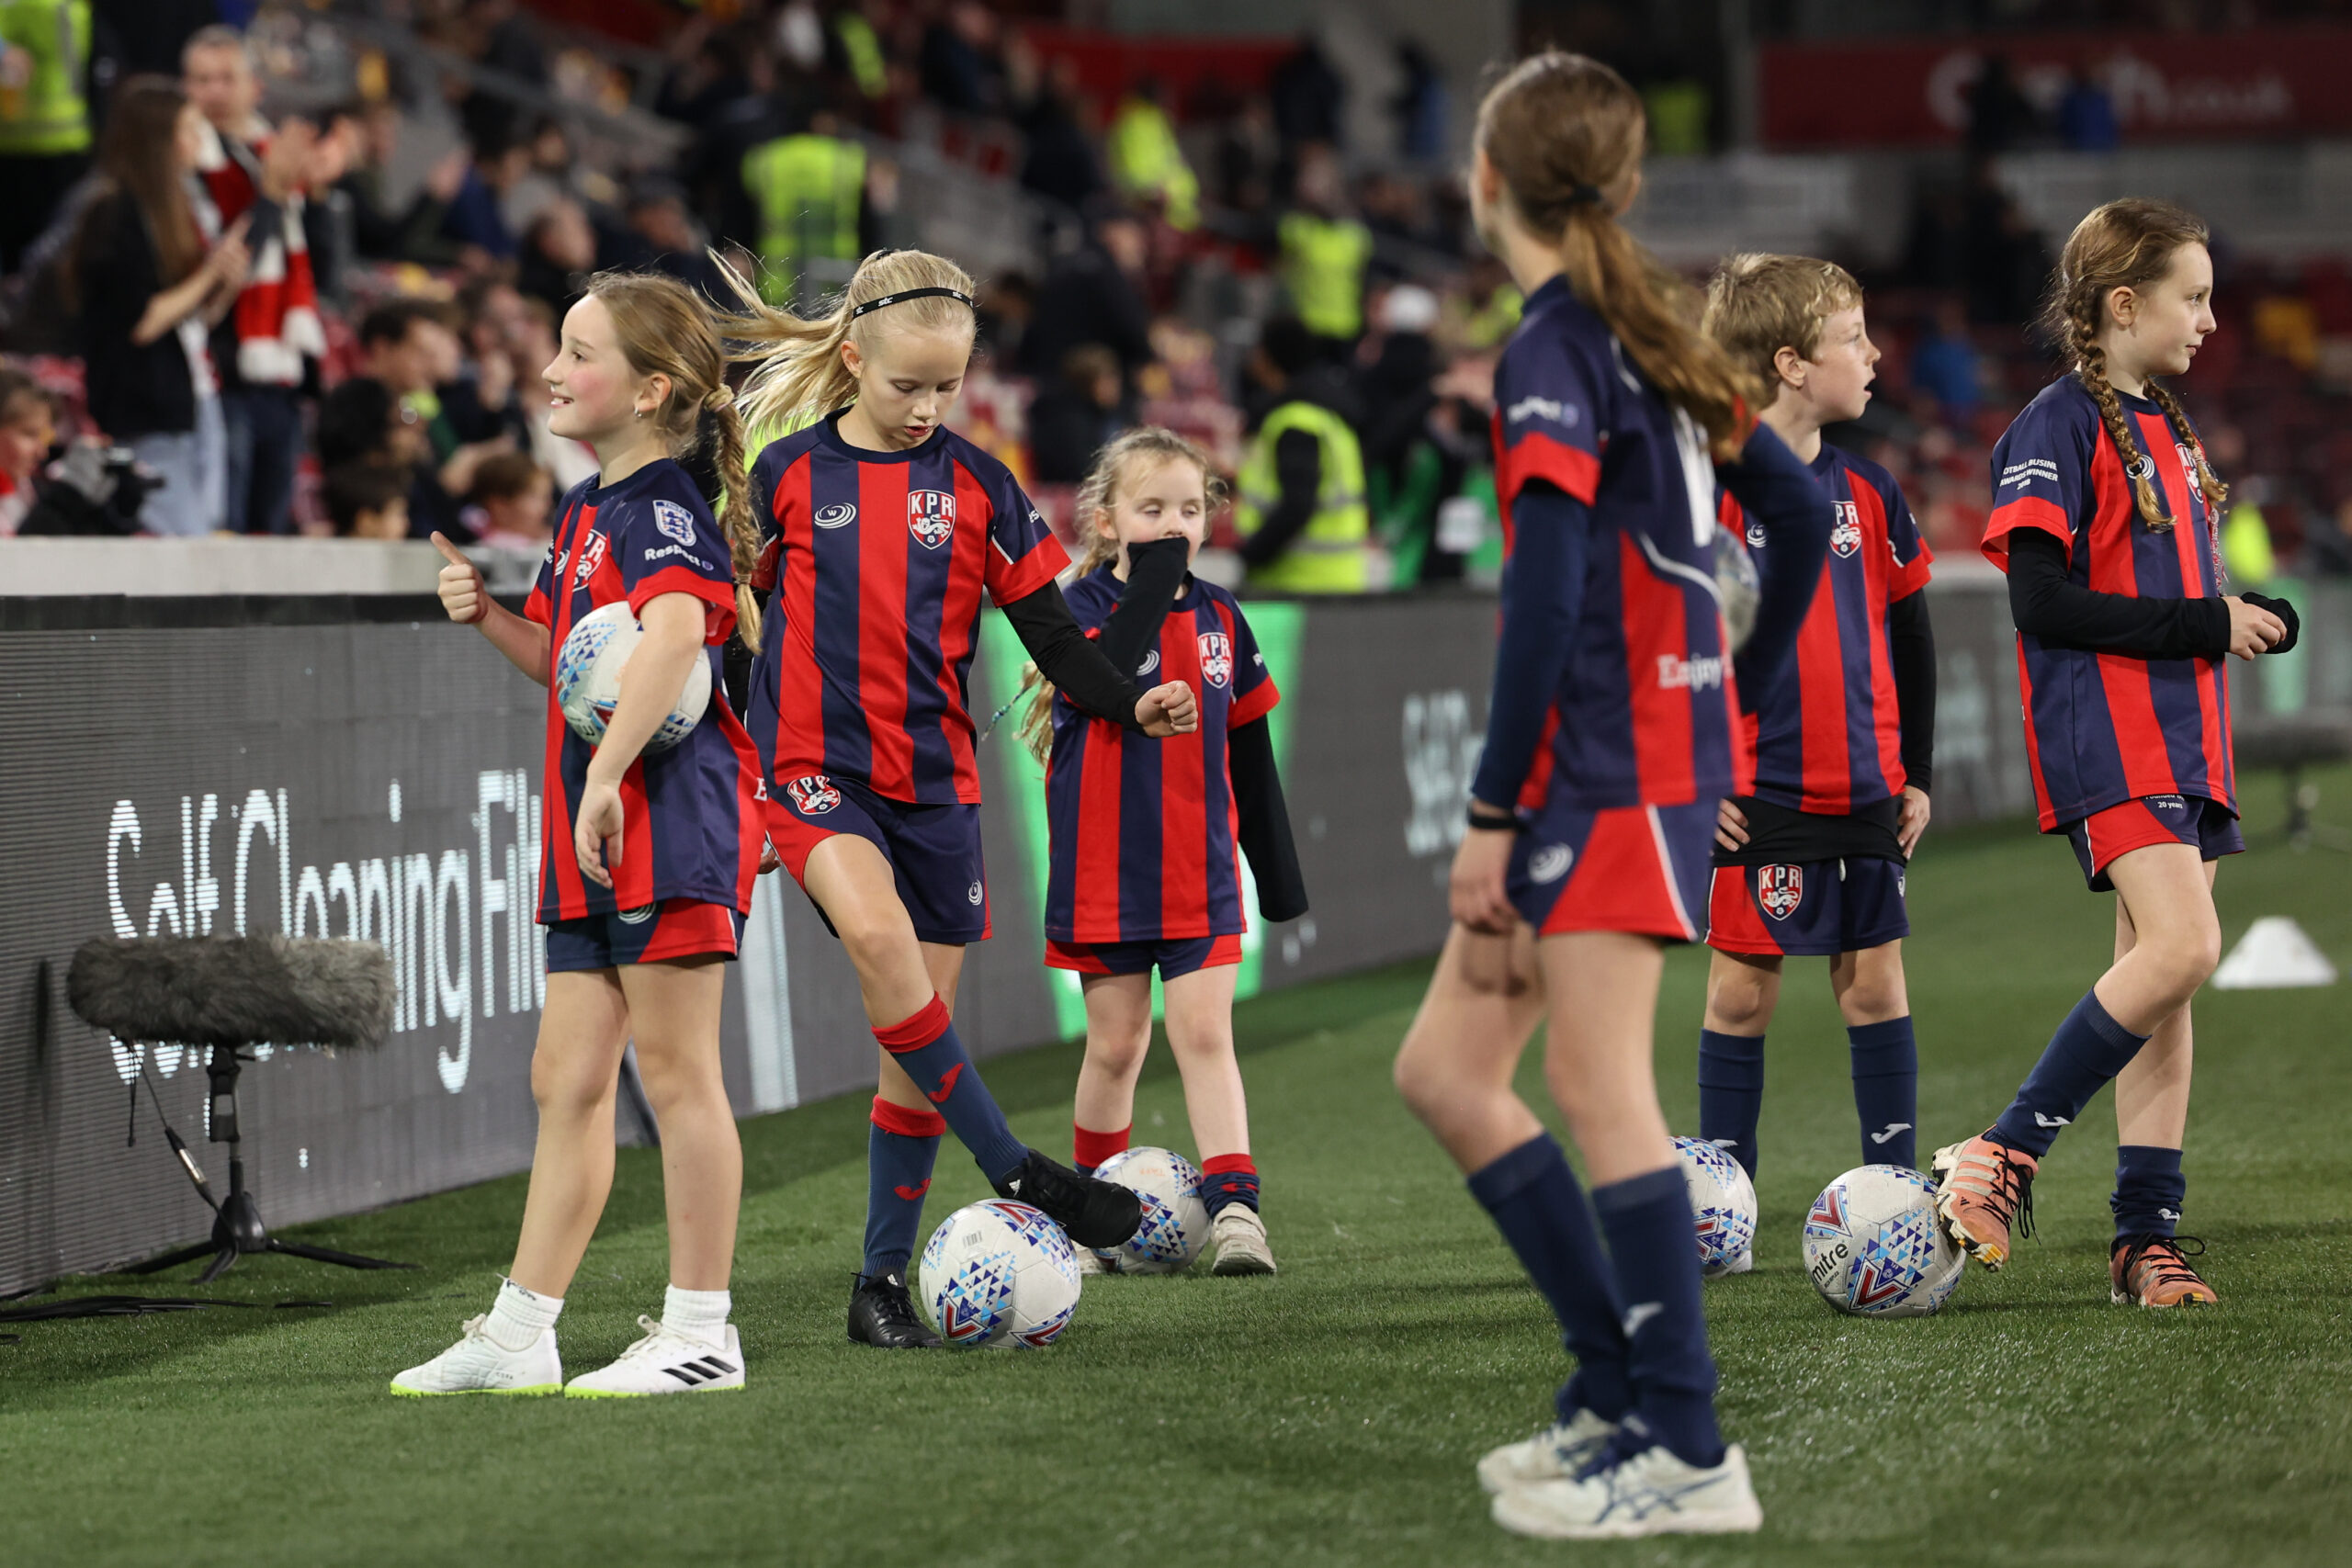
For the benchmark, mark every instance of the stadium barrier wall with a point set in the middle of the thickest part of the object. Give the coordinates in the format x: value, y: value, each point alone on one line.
x: 356, y: 766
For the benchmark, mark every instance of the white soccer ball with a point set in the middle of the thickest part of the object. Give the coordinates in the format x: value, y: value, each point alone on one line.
x: 588, y: 679
x: 1175, y: 1221
x: 1722, y: 1204
x: 1874, y: 1246
x: 1000, y: 1274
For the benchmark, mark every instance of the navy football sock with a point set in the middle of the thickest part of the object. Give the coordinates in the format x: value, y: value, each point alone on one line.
x: 1647, y: 1219
x: 926, y: 1047
x: 2087, y: 1051
x: 1886, y: 1090
x: 899, y: 1149
x: 2149, y: 1190
x: 1731, y: 1093
x: 1227, y: 1180
x: 1536, y: 1203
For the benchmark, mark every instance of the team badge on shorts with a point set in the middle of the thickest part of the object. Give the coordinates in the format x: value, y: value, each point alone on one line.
x: 1217, y: 658
x: 636, y: 917
x: 1550, y: 863
x: 931, y: 516
x: 1780, y: 888
x: 592, y: 556
x: 674, y: 520
x: 814, y: 796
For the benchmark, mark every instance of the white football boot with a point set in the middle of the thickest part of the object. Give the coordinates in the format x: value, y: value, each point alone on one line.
x: 664, y: 1361
x: 478, y: 1364
x: 1240, y: 1236
x: 1653, y: 1493
x: 1555, y: 1453
x: 1091, y: 1263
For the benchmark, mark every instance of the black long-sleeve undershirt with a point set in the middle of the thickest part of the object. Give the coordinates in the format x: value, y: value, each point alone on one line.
x: 1155, y: 571
x: 2047, y: 604
x: 1912, y: 655
x: 1071, y: 660
x: 1265, y: 821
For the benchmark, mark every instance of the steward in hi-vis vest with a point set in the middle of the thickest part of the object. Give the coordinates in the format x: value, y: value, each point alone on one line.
x: 809, y: 191
x: 1301, y: 512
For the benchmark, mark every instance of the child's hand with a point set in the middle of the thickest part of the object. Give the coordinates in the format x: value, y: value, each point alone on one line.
x: 1730, y: 826
x: 2254, y: 631
x: 461, y: 584
x: 1475, y: 892
x: 1911, y: 820
x: 1168, y: 710
x: 596, y: 836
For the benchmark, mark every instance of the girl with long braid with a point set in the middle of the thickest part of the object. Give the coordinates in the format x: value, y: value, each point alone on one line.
x: 2106, y: 516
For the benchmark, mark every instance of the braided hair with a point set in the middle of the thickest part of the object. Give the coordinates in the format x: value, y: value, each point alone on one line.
x: 2125, y: 245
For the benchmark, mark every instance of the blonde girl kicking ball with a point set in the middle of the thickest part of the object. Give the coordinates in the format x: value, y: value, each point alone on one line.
x: 1147, y: 835
x: 647, y: 859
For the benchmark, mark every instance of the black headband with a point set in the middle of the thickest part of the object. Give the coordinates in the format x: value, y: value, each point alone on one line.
x: 910, y: 294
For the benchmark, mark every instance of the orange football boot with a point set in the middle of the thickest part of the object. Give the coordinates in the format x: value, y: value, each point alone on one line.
x: 1982, y: 1190
x: 2153, y: 1271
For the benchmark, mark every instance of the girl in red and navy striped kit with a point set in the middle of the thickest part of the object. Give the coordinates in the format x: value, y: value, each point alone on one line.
x: 1147, y: 834
x: 647, y: 859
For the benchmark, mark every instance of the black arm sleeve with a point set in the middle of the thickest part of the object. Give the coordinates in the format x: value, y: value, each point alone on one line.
x: 1265, y: 821
x: 2046, y: 602
x: 1298, y: 466
x: 1069, y: 658
x: 1154, y: 573
x: 1913, y: 654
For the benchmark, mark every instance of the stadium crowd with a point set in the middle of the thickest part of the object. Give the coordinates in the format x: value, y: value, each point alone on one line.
x: 239, y: 301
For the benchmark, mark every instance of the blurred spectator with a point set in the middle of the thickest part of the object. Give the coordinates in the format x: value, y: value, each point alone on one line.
x: 1307, y: 98
x: 407, y: 409
x: 1147, y: 163
x: 1483, y: 312
x: 1059, y: 164
x: 660, y: 223
x: 2327, y: 552
x: 44, y: 115
x: 1325, y: 250
x: 28, y: 430
x: 1998, y: 115
x: 148, y: 291
x: 413, y: 234
x: 368, y: 499
x: 1074, y: 414
x: 1248, y: 156
x: 1945, y: 364
x: 809, y: 191
x: 558, y: 253
x: 958, y: 60
x: 1420, y: 105
x: 513, y: 503
x: 1096, y: 296
x: 1677, y: 109
x: 266, y: 349
x: 2085, y: 115
x: 476, y: 216
x: 1300, y: 510
x: 2003, y: 259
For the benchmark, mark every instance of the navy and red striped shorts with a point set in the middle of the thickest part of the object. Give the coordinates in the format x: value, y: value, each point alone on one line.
x: 1173, y: 957
x: 1818, y: 909
x: 933, y: 850
x: 1636, y: 868
x: 675, y: 928
x: 2105, y: 837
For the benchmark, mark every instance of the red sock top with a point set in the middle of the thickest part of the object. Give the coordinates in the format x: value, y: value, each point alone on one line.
x: 927, y: 1023
x: 907, y: 1121
x: 1092, y: 1147
x: 1229, y: 1165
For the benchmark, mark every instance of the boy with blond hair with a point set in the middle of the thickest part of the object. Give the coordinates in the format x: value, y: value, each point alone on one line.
x: 1812, y: 863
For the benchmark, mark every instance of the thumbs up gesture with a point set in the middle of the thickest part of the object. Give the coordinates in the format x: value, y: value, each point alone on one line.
x: 461, y: 584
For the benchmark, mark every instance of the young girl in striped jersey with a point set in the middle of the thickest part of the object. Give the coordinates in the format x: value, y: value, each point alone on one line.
x: 1145, y: 834
x: 2107, y: 518
x: 884, y: 527
x: 1613, y: 733
x: 647, y: 859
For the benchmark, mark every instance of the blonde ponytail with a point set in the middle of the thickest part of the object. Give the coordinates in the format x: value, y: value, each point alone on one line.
x: 796, y: 360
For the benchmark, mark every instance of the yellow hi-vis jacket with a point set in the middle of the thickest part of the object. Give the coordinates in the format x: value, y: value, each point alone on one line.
x: 1328, y: 556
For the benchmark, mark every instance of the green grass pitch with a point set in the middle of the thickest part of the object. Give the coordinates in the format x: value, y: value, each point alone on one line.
x: 1330, y: 1414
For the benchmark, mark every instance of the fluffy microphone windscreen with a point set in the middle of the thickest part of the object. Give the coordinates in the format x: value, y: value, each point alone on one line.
x: 234, y: 991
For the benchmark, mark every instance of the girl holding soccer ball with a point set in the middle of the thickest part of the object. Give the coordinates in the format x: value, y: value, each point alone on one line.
x: 647, y: 859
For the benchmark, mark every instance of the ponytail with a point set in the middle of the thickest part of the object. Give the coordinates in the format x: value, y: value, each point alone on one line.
x: 796, y: 360
x: 1565, y: 134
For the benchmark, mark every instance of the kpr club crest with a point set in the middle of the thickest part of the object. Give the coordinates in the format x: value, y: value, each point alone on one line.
x: 1846, y: 537
x: 1217, y: 658
x: 592, y: 556
x: 1780, y: 888
x: 931, y: 516
x: 814, y: 796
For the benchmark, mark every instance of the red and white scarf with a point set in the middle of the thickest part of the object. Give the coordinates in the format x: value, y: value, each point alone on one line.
x: 277, y: 311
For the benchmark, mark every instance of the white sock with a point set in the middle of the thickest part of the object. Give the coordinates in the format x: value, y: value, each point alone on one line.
x: 520, y: 1316
x: 698, y: 1315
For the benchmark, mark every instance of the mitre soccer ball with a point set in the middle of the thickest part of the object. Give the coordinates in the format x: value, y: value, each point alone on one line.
x: 1874, y: 1246
x: 588, y: 679
x: 1722, y: 1204
x: 1175, y: 1221
x: 1000, y: 1274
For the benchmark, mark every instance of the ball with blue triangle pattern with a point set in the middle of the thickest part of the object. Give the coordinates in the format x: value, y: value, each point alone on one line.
x: 1723, y: 1207
x: 1175, y: 1221
x: 1874, y: 1246
x: 998, y: 1275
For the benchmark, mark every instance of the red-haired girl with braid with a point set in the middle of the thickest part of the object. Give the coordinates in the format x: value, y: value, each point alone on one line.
x: 2106, y: 516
